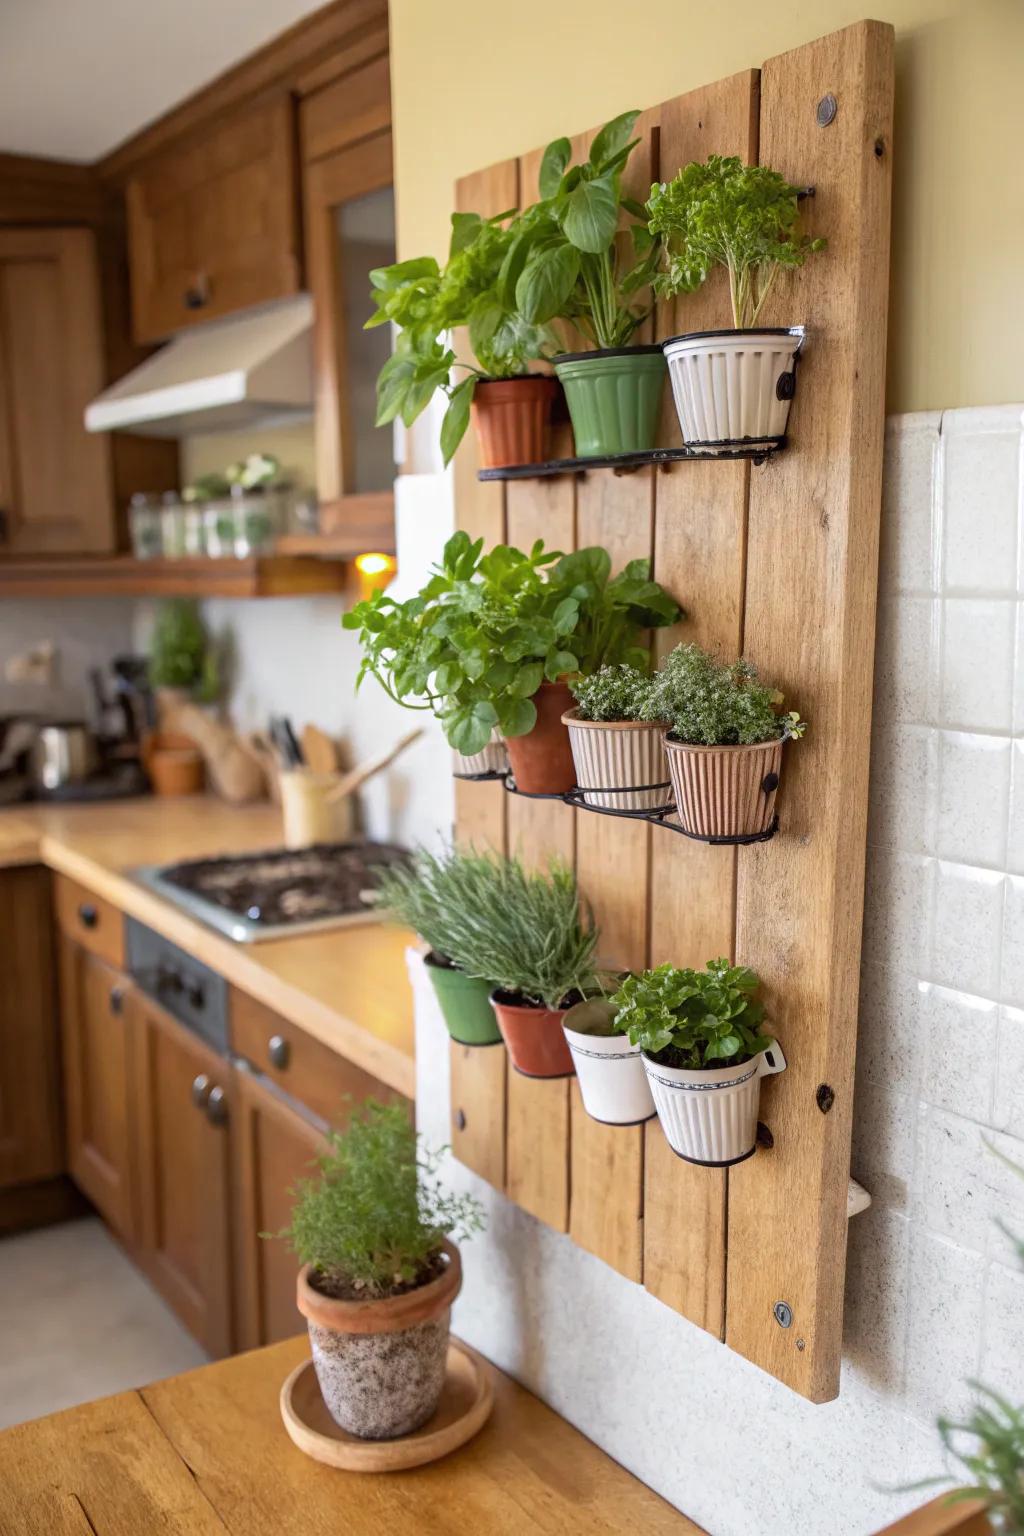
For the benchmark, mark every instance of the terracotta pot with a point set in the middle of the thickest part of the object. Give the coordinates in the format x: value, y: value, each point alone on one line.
x: 725, y: 791
x: 174, y: 763
x: 541, y: 761
x: 620, y: 756
x: 512, y: 418
x: 381, y: 1364
x: 533, y: 1037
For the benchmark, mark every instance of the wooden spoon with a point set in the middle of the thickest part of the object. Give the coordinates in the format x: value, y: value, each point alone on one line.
x: 356, y: 776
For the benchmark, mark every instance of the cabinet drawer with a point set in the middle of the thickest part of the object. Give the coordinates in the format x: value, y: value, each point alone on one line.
x: 304, y: 1068
x: 90, y: 920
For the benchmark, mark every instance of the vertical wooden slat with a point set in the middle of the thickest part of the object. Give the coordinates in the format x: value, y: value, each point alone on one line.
x: 700, y: 545
x: 812, y: 559
x: 477, y: 1076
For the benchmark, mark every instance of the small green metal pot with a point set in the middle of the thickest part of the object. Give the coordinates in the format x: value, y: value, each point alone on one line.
x: 614, y: 398
x: 465, y: 1004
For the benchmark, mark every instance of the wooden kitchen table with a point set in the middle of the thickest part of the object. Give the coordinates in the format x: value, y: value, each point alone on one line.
x: 206, y: 1453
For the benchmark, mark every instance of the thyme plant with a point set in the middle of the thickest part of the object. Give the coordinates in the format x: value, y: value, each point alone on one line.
x: 373, y: 1221
x: 612, y: 693
x: 715, y: 704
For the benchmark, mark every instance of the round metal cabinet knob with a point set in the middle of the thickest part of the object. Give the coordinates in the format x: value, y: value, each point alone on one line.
x: 87, y: 915
x: 279, y: 1051
x: 217, y: 1106
x: 201, y: 1087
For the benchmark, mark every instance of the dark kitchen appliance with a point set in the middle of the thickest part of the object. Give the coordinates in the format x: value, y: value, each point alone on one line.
x: 280, y: 892
x: 196, y: 996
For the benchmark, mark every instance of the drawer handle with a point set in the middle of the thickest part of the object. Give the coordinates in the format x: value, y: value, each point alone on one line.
x: 88, y: 915
x: 279, y: 1051
x: 201, y: 1089
x: 117, y: 999
x: 217, y: 1106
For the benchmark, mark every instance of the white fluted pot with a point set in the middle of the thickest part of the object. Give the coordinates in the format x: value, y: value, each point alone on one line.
x: 733, y: 389
x: 610, y: 1071
x: 725, y: 791
x: 493, y: 758
x: 619, y: 755
x: 710, y: 1116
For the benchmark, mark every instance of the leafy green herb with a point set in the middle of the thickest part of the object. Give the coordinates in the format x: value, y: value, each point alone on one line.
x: 725, y: 213
x: 181, y: 654
x: 693, y: 1019
x: 373, y: 1221
x: 476, y: 643
x: 714, y: 704
x: 613, y: 693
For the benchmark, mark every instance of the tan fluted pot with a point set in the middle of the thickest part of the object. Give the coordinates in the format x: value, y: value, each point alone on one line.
x: 618, y: 755
x: 493, y: 759
x: 725, y: 791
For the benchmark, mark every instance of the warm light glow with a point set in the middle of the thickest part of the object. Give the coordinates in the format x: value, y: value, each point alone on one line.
x: 373, y: 564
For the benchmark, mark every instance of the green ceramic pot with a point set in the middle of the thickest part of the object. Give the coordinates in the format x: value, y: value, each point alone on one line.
x: 465, y: 1004
x: 614, y: 398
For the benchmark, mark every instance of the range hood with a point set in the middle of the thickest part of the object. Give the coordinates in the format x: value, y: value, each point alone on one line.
x: 254, y: 369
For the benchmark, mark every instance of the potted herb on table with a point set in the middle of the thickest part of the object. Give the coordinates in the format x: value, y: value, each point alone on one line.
x: 532, y: 934
x: 379, y: 1273
x: 732, y: 388
x: 432, y: 895
x: 510, y: 406
x: 491, y: 640
x: 724, y: 742
x: 610, y: 1069
x: 618, y: 754
x: 704, y: 1053
x: 573, y: 268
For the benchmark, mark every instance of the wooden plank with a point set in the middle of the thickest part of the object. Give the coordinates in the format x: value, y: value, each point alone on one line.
x: 812, y: 556
x: 699, y: 554
x: 123, y: 576
x: 941, y: 1518
x: 478, y: 1075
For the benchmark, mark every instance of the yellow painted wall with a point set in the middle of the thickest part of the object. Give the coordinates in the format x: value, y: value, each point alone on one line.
x: 477, y: 81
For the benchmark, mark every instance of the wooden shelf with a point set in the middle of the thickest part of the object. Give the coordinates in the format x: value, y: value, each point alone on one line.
x: 290, y: 575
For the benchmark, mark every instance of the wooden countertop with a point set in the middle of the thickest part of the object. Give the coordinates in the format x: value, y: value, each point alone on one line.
x: 206, y: 1453
x: 347, y: 986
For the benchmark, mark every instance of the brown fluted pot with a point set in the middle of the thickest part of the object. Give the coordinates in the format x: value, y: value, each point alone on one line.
x: 541, y: 761
x: 512, y: 418
x: 725, y: 791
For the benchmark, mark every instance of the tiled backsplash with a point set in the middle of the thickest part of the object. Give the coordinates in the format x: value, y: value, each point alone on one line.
x: 933, y: 1293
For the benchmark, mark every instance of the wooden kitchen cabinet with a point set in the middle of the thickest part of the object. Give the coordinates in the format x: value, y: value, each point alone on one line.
x: 56, y: 494
x: 183, y: 1094
x: 31, y: 1137
x: 98, y: 1040
x: 273, y: 1147
x: 213, y: 225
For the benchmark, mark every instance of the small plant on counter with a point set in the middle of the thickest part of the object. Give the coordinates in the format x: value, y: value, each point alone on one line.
x: 743, y: 218
x: 572, y: 267
x: 724, y: 742
x: 372, y: 1232
x: 426, y: 301
x: 702, y: 1043
x: 181, y: 654
x: 428, y: 896
x: 618, y: 753
x: 530, y: 933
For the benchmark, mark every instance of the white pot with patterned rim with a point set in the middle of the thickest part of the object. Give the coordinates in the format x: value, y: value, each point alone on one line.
x: 619, y: 755
x: 710, y: 1116
x: 493, y: 759
x: 733, y: 389
x: 610, y: 1071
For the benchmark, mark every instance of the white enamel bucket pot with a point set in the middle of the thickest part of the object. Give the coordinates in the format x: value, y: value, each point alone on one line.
x: 620, y: 755
x: 609, y: 1070
x: 493, y: 759
x: 733, y: 389
x: 710, y: 1117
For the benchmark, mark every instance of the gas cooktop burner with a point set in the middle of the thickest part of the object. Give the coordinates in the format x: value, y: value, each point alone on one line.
x: 282, y: 891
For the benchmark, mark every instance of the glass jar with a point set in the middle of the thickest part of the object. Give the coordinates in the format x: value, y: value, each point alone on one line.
x: 172, y: 526
x: 219, y: 526
x: 194, y: 529
x: 255, y: 521
x: 144, y: 526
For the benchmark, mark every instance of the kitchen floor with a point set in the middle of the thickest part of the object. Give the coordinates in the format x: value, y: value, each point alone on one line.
x: 78, y: 1321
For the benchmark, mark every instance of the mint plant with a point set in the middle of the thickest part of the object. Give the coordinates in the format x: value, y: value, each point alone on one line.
x: 715, y: 704
x: 693, y: 1019
x: 725, y: 213
x: 613, y: 693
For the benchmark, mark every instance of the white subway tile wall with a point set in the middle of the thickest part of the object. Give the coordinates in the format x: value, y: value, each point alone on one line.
x: 934, y: 1294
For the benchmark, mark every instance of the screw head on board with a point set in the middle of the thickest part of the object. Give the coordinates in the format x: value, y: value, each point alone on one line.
x: 783, y: 1313
x: 826, y: 111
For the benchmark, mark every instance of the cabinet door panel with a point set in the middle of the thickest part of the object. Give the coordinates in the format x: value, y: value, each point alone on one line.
x: 55, y: 480
x: 183, y: 1173
x: 31, y: 1143
x: 98, y: 1061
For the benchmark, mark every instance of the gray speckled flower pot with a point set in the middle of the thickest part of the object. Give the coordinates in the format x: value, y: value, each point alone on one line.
x: 381, y: 1364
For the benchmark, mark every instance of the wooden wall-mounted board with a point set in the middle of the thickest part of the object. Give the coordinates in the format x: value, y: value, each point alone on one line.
x: 779, y: 563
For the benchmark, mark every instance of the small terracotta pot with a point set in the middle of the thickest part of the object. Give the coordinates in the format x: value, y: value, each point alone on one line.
x: 512, y: 418
x: 541, y: 761
x: 381, y: 1364
x: 174, y: 763
x: 725, y: 791
x: 534, y: 1037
